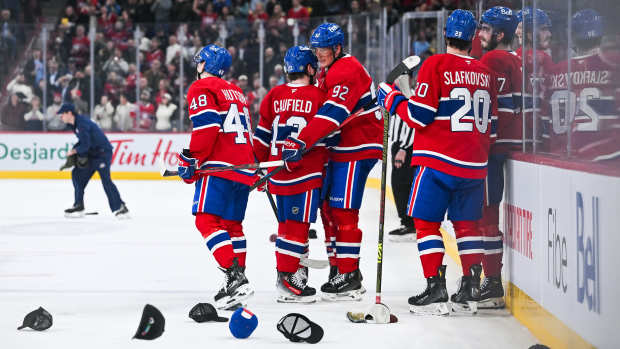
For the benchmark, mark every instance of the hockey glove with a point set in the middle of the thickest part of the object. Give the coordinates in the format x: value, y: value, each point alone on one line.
x: 82, y: 161
x: 292, y: 151
x: 388, y: 97
x: 187, y: 167
x: 70, y: 162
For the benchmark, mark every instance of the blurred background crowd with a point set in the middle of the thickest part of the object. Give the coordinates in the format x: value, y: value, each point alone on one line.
x: 154, y: 38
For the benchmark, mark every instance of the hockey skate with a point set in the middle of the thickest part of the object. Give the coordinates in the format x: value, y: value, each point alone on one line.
x: 492, y: 293
x: 293, y: 287
x: 77, y: 211
x: 344, y: 287
x: 434, y: 299
x: 122, y: 213
x: 235, y: 288
x: 402, y: 234
x: 465, y: 300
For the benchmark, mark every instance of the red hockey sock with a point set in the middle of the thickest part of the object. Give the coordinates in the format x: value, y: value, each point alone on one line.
x: 235, y: 229
x: 492, y: 241
x: 291, y: 246
x: 330, y: 232
x: 493, y: 251
x: 216, y: 238
x: 430, y: 246
x: 469, y: 243
x: 348, y: 239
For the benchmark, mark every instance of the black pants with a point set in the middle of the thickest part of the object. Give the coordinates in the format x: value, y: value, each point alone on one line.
x: 401, y: 185
x: 81, y: 176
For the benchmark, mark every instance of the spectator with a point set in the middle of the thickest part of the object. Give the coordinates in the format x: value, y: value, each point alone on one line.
x: 173, y: 50
x: 238, y: 66
x: 278, y: 72
x: 8, y: 32
x: 125, y: 114
x: 53, y: 119
x: 301, y: 14
x: 273, y: 81
x: 116, y: 64
x: 165, y: 110
x: 144, y: 121
x: 34, y: 118
x: 19, y: 85
x: 80, y: 46
x: 113, y: 85
x: 206, y: 13
x: 161, y: 10
x: 12, y: 115
x: 258, y: 13
x: 270, y: 61
x: 154, y: 75
x: 81, y: 106
x: 195, y: 48
x: 102, y: 115
x: 33, y: 70
x: 163, y: 90
x: 156, y: 53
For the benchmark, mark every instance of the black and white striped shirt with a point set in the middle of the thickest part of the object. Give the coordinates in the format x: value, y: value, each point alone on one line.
x: 400, y: 132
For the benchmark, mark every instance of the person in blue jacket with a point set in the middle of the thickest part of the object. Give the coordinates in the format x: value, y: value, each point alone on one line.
x: 93, y: 152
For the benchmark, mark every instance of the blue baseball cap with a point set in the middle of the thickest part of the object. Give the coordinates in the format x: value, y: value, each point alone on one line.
x: 65, y: 108
x: 242, y: 323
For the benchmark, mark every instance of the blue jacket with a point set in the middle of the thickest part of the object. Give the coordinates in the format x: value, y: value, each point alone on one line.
x: 91, y: 140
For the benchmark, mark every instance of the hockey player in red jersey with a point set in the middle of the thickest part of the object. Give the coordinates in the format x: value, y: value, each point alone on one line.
x: 452, y: 110
x: 349, y: 89
x: 594, y: 121
x: 538, y: 60
x: 220, y: 137
x: 497, y: 27
x: 284, y: 112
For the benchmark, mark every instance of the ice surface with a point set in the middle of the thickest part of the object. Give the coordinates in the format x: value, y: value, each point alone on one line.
x: 96, y: 274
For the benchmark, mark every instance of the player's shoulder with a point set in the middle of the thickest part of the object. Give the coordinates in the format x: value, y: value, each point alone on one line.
x: 347, y: 68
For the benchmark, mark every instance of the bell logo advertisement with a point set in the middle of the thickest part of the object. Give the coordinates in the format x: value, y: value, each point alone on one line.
x: 588, y: 274
x: 131, y: 152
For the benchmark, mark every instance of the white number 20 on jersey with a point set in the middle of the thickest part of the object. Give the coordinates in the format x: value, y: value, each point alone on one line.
x: 482, y: 106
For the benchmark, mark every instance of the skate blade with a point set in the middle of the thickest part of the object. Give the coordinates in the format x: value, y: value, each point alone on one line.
x: 492, y: 303
x: 403, y: 238
x: 74, y: 215
x: 355, y: 295
x: 440, y: 309
x: 242, y: 293
x: 465, y: 308
x: 296, y: 299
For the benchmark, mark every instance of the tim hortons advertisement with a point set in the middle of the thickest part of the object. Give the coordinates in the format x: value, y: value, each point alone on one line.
x: 561, y: 229
x: 133, y: 152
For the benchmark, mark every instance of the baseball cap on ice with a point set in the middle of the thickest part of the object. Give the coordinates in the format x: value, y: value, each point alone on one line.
x: 152, y: 323
x: 203, y: 312
x: 38, y: 320
x: 298, y: 328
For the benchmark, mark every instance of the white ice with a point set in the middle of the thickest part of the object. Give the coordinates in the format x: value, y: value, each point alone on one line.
x: 96, y: 274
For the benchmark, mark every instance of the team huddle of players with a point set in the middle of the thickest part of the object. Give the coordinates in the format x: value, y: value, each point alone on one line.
x: 326, y: 124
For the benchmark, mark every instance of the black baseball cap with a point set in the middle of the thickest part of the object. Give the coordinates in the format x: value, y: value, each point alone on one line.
x: 38, y: 320
x: 298, y: 328
x: 152, y: 323
x: 204, y: 312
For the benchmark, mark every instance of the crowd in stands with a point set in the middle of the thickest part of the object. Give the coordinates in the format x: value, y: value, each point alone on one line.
x: 137, y: 72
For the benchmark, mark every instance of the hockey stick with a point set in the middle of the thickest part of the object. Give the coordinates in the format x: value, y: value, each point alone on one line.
x: 169, y: 173
x: 379, y: 312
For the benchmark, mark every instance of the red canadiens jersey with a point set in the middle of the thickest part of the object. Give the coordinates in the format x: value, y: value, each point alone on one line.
x: 592, y: 105
x: 349, y: 91
x: 506, y: 66
x: 220, y: 136
x: 453, y: 106
x: 284, y: 112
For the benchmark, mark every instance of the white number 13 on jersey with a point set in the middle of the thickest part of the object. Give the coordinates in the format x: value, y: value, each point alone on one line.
x: 482, y: 106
